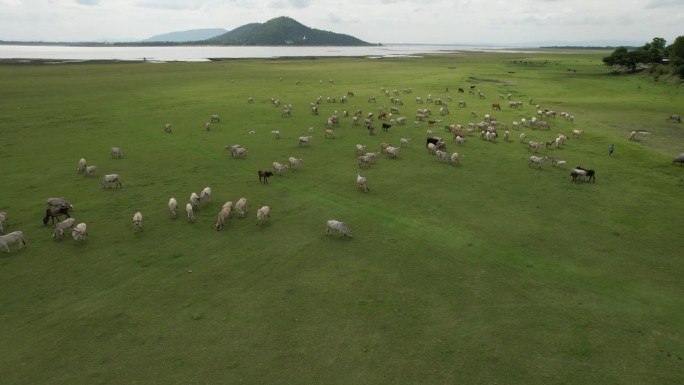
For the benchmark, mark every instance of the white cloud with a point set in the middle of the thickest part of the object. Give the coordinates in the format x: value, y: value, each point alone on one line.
x: 170, y: 4
x: 665, y: 4
x: 497, y: 22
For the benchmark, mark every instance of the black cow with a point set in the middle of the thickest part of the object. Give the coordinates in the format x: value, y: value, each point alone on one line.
x: 386, y: 126
x: 263, y: 176
x: 54, y: 213
x: 431, y: 140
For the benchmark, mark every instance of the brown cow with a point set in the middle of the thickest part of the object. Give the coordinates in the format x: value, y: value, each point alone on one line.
x: 496, y: 106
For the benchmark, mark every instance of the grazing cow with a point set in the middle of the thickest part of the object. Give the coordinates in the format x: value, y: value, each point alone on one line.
x: 215, y: 119
x: 11, y: 238
x: 461, y: 90
x: 223, y: 217
x: 111, y: 178
x: 167, y: 127
x: 341, y: 227
x: 60, y: 227
x: 674, y: 118
x: 496, y: 106
x: 679, y: 159
x: 264, y: 175
x: 386, y: 127
x: 304, y: 140
x: 117, y: 152
x: 54, y: 213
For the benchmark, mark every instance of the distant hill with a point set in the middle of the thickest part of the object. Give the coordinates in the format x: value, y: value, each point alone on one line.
x: 186, y: 36
x: 283, y: 31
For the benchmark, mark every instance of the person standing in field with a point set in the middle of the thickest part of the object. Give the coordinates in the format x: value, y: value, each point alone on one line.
x: 611, y: 149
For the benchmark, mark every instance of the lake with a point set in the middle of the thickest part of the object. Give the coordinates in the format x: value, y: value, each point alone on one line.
x: 205, y: 53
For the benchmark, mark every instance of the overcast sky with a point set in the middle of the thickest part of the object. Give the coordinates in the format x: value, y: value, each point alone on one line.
x: 497, y: 22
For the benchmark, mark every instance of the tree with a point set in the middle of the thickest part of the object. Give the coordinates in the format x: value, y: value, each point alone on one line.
x: 656, y: 50
x: 626, y: 58
x: 650, y: 53
x: 676, y: 53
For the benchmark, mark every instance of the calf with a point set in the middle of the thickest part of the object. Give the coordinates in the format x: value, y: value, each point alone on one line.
x: 264, y: 175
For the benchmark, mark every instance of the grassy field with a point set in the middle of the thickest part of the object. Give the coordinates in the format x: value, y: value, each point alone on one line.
x: 490, y: 272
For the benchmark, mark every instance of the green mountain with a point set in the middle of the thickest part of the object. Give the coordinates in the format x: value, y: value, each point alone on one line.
x: 283, y: 31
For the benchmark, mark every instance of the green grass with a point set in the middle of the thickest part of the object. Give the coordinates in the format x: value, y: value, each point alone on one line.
x: 488, y: 272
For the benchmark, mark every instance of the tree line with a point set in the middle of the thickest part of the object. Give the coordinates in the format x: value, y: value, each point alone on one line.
x: 650, y: 55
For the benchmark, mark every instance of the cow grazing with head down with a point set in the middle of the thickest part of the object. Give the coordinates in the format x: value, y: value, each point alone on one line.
x: 341, y: 227
x: 386, y: 127
x: 54, y: 213
x: 674, y: 118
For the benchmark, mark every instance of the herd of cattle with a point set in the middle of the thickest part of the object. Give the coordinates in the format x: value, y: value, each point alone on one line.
x: 488, y: 129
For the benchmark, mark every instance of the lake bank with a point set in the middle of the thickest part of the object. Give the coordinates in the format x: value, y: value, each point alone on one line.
x: 36, y: 53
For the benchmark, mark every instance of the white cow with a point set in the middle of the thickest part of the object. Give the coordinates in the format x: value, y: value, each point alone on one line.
x: 205, y: 196
x: 137, y: 221
x: 191, y: 213
x: 341, y: 227
x: 111, y: 178
x: 194, y: 200
x: 295, y: 162
x: 537, y: 160
x: 241, y: 207
x: 279, y: 168
x: 263, y: 214
x: 117, y: 152
x: 223, y: 217
x: 60, y: 227
x: 173, y: 208
x: 362, y: 182
x: 13, y: 237
x: 304, y: 140
x: 80, y: 232
x: 392, y: 151
x: 81, y: 165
